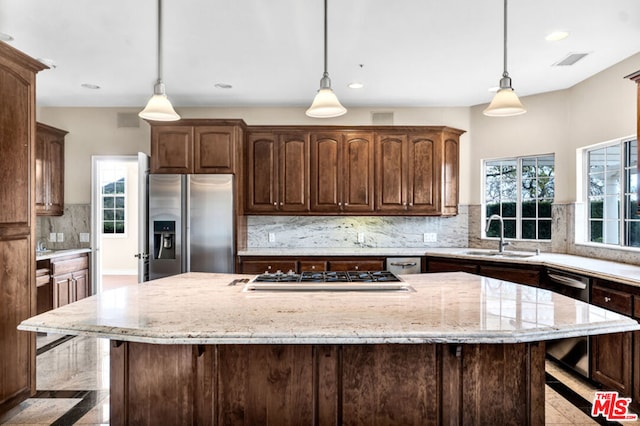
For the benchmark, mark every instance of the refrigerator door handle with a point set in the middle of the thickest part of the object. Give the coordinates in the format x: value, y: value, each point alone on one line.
x: 186, y: 224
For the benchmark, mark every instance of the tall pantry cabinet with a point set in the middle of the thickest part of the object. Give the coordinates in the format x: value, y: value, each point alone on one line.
x: 17, y: 224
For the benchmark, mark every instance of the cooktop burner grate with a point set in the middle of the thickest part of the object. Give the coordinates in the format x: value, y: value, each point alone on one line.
x: 328, y: 277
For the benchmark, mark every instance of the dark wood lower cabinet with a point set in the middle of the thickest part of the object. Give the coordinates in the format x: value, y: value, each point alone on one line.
x: 611, y: 361
x: 419, y: 384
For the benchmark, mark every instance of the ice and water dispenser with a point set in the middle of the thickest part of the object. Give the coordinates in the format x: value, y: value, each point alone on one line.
x: 164, y: 239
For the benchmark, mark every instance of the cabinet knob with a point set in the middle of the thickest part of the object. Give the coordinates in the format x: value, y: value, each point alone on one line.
x: 357, y: 267
x: 313, y: 267
x: 410, y: 204
x: 346, y: 204
x: 275, y: 203
x: 281, y: 203
x: 607, y: 299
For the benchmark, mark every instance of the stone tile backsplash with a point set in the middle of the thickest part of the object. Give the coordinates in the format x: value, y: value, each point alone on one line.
x: 342, y: 231
x: 75, y: 219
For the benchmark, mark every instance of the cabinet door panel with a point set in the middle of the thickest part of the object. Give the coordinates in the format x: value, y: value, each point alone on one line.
x: 294, y: 173
x: 172, y: 149
x: 391, y: 185
x: 358, y: 172
x: 325, y: 173
x: 214, y: 149
x: 16, y: 306
x: 56, y: 176
x: 423, y: 174
x: 450, y: 175
x: 611, y: 361
x: 262, y: 173
x: 41, y: 172
x: 63, y: 293
x: 81, y: 284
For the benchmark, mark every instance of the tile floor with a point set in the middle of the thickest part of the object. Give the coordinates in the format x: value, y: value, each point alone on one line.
x: 73, y: 387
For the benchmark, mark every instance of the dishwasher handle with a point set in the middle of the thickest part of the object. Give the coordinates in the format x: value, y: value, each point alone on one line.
x: 404, y: 264
x: 567, y: 281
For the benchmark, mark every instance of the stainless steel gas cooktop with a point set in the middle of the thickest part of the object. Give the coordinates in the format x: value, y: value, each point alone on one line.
x: 328, y: 277
x: 328, y: 281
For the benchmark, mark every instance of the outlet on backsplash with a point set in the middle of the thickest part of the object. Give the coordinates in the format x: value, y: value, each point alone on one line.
x: 430, y: 237
x: 52, y: 237
x: 84, y: 237
x: 272, y: 237
x: 60, y: 237
x: 360, y: 237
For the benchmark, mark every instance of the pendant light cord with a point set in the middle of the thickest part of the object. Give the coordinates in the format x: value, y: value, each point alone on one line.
x: 505, y: 73
x: 326, y: 73
x: 159, y: 41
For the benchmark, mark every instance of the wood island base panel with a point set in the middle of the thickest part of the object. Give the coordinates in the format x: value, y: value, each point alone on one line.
x: 408, y: 384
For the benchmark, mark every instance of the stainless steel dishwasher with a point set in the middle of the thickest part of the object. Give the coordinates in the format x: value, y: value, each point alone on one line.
x: 404, y: 265
x: 572, y: 352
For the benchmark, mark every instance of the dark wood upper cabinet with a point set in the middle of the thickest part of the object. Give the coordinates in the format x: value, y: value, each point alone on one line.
x: 215, y: 149
x: 49, y: 170
x: 172, y: 149
x: 190, y: 146
x: 342, y: 172
x: 277, y: 172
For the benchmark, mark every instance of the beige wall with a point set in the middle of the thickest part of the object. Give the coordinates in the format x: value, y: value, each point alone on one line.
x: 598, y: 109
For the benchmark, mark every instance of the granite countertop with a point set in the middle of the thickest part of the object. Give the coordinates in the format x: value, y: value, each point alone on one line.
x: 605, y: 269
x: 201, y: 308
x: 50, y: 254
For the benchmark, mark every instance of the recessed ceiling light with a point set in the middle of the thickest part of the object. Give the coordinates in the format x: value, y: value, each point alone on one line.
x: 356, y: 85
x: 48, y: 62
x: 5, y: 37
x: 557, y: 36
x: 90, y: 86
x: 223, y: 86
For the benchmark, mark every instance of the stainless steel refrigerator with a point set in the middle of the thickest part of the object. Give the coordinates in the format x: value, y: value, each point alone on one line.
x: 190, y: 226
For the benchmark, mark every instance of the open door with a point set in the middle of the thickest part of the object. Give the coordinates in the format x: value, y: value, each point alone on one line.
x: 143, y: 217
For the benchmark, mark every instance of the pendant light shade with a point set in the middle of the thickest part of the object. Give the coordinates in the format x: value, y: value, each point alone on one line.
x: 326, y: 103
x: 505, y: 103
x: 159, y: 108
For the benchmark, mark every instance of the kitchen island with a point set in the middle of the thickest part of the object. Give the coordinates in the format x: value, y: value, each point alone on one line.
x: 452, y: 348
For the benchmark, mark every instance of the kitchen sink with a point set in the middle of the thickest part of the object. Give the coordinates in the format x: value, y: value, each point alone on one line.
x: 510, y: 254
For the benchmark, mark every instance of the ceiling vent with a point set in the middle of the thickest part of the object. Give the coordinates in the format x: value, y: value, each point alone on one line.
x: 382, y: 118
x: 570, y: 59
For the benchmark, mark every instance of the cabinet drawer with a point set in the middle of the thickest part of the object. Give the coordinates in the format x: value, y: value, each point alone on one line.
x: 520, y: 276
x: 613, y: 300
x: 356, y: 265
x: 262, y: 266
x: 312, y: 265
x: 64, y: 266
x: 636, y: 307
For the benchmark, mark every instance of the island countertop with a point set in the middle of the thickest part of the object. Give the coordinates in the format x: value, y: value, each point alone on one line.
x: 201, y: 308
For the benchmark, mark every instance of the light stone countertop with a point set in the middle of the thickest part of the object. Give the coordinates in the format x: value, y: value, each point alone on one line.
x: 201, y: 308
x: 51, y: 254
x: 605, y: 269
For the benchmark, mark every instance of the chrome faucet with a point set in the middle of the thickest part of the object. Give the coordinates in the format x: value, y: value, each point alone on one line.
x: 502, y: 243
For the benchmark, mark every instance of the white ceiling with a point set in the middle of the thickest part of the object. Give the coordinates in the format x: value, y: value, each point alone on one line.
x: 413, y: 52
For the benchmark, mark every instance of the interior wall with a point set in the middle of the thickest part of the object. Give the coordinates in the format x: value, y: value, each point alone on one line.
x: 598, y: 109
x: 94, y: 131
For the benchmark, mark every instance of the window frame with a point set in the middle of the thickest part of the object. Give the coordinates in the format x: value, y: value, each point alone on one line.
x: 115, y: 170
x: 519, y: 201
x: 623, y: 200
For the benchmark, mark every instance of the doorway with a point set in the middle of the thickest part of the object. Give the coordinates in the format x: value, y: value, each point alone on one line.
x: 114, y: 221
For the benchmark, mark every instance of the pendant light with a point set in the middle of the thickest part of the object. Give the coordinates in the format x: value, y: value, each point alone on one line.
x: 326, y: 103
x: 159, y: 108
x: 505, y: 103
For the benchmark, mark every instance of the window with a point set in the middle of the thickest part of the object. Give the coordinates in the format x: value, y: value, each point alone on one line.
x: 612, y: 185
x: 521, y: 191
x: 113, y: 184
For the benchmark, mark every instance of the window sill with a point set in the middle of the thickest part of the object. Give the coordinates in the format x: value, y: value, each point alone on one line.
x: 608, y: 247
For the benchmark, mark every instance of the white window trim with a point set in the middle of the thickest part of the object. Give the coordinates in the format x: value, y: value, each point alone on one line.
x: 518, y: 217
x: 583, y: 197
